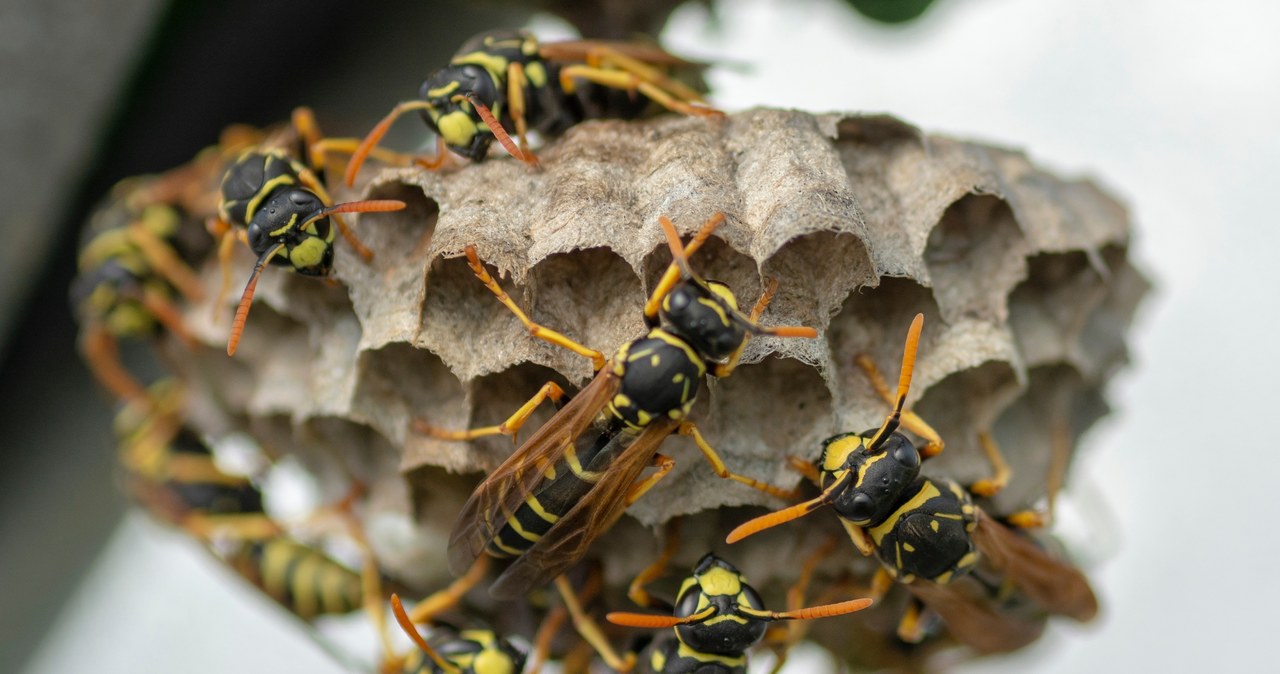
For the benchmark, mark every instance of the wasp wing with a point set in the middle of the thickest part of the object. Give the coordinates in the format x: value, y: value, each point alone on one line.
x: 498, y: 496
x: 1056, y: 585
x: 975, y: 619
x: 569, y: 539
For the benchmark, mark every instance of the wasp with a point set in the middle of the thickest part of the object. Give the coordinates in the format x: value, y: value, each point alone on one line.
x: 716, y: 618
x: 170, y: 470
x: 506, y: 81
x: 577, y: 473
x: 279, y: 207
x: 928, y: 533
x: 136, y: 260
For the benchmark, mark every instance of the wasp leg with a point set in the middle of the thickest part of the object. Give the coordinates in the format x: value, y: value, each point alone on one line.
x: 636, y: 591
x: 590, y: 631
x: 538, y: 331
x: 102, y: 355
x: 167, y: 314
x: 910, y: 626
x: 619, y: 79
x: 309, y: 180
x: 375, y: 135
x: 805, y: 468
x: 246, y: 527
x: 688, y: 428
x: 991, y: 486
x: 511, y: 426
x: 516, y: 83
x: 547, y: 631
x: 443, y: 600
x: 604, y: 59
x: 910, y: 420
x: 304, y: 122
x: 642, y: 486
x: 793, y: 631
x: 440, y: 161
x: 349, y: 146
x: 166, y: 262
x: 861, y: 539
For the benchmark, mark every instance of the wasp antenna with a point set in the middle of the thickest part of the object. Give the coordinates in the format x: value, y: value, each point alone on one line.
x: 496, y: 127
x: 823, y: 611
x: 370, y: 206
x: 773, y: 519
x: 904, y: 384
x: 407, y: 625
x: 246, y: 300
x: 657, y: 622
x: 375, y: 136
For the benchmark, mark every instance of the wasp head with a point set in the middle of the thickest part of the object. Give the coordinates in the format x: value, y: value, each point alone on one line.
x: 288, y: 218
x: 878, y: 476
x: 705, y: 314
x: 717, y: 584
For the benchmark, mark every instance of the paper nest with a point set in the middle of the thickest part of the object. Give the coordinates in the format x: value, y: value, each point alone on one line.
x: 864, y: 220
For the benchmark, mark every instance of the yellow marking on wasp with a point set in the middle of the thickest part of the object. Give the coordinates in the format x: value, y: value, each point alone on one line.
x: 723, y: 292
x: 866, y: 467
x: 441, y: 92
x: 717, y: 307
x: 684, y: 651
x: 728, y: 617
x: 933, y: 524
x: 908, y: 547
x: 717, y: 581
x: 536, y: 73
x: 335, y: 589
x: 510, y: 551
x: 457, y: 127
x: 838, y: 452
x: 927, y: 492
x: 514, y: 523
x: 491, y: 661
x: 540, y: 511
x: 255, y: 202
x: 303, y: 583
x: 655, y: 360
x: 496, y: 65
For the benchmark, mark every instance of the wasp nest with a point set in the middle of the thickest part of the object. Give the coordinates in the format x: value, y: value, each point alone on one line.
x: 864, y: 220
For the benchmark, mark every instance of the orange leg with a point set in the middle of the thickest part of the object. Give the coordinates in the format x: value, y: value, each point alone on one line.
x: 688, y: 428
x: 510, y: 427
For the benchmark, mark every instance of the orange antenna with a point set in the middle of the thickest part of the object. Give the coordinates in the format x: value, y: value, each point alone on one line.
x: 246, y: 299
x: 407, y: 625
x: 904, y: 385
x: 370, y: 206
x: 773, y: 519
x: 680, y: 259
x: 823, y: 611
x: 496, y: 127
x: 657, y: 622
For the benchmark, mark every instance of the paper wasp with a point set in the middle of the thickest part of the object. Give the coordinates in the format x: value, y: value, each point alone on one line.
x: 278, y: 206
x: 504, y: 82
x: 577, y: 474
x: 716, y: 618
x: 170, y: 470
x: 137, y: 256
x: 928, y: 533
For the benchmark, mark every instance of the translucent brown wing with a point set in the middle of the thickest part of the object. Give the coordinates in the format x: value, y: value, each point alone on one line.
x: 498, y: 496
x: 578, y: 50
x: 567, y: 542
x: 975, y: 619
x: 1057, y: 586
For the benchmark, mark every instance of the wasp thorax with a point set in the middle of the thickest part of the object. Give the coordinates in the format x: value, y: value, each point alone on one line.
x: 880, y: 479
x: 705, y: 317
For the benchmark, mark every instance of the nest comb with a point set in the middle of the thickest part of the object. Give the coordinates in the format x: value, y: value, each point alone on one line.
x: 864, y: 220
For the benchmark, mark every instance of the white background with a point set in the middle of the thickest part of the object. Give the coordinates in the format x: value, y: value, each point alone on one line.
x: 1170, y: 104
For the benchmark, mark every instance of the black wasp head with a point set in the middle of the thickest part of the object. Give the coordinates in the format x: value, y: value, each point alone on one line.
x: 283, y: 219
x: 477, y: 651
x: 718, y: 584
x: 878, y: 478
x: 706, y: 316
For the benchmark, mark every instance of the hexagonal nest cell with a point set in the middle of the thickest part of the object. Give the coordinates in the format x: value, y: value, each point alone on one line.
x: 864, y: 220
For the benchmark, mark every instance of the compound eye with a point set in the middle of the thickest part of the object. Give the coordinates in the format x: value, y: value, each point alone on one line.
x: 304, y: 200
x: 905, y: 453
x: 688, y: 604
x: 861, y: 507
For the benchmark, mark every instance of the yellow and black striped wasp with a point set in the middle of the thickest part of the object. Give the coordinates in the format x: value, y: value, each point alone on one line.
x: 279, y: 207
x: 136, y: 261
x: 505, y: 82
x: 929, y: 534
x: 716, y: 618
x: 577, y: 473
x: 171, y: 472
